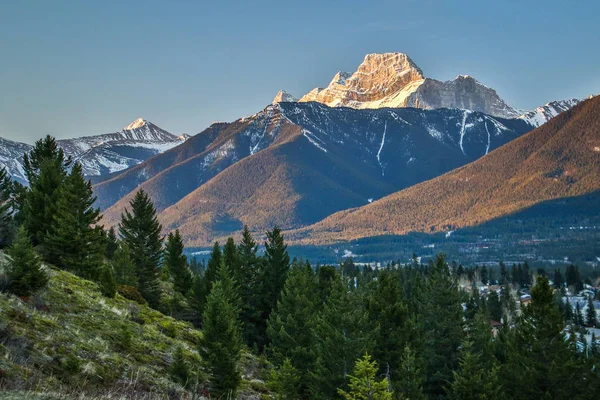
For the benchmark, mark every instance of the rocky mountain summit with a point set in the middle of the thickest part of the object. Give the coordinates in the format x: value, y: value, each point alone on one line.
x: 283, y: 97
x: 394, y: 80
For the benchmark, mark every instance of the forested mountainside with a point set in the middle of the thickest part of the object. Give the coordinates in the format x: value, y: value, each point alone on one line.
x: 559, y: 159
x: 295, y: 163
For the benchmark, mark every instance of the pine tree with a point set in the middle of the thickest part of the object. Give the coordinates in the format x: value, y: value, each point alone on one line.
x: 284, y: 382
x: 591, y: 317
x: 388, y: 316
x: 111, y: 244
x: 107, y: 281
x: 289, y: 326
x: 176, y: 263
x: 46, y: 170
x: 273, y: 276
x: 140, y: 231
x: 441, y: 318
x: 231, y: 257
x: 123, y: 266
x: 6, y: 209
x: 363, y: 383
x: 541, y: 363
x: 25, y: 272
x: 203, y: 285
x: 247, y: 276
x: 558, y: 279
x: 473, y: 381
x: 341, y: 334
x: 222, y: 342
x: 410, y: 382
x: 74, y: 242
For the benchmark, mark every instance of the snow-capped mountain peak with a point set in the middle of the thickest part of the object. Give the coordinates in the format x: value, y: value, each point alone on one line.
x: 395, y: 80
x: 543, y: 114
x: 282, y: 96
x: 138, y: 123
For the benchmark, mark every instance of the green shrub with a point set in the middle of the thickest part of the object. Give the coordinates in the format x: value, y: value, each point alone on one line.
x: 131, y: 293
x: 108, y: 284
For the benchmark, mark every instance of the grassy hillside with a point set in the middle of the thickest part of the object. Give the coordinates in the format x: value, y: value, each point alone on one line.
x: 560, y: 159
x: 71, y: 340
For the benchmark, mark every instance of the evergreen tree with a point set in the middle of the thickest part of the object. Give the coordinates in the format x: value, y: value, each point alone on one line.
x: 591, y: 317
x: 25, y: 272
x: 231, y: 257
x: 541, y: 363
x: 503, y: 274
x: 494, y: 306
x: 123, y: 266
x: 558, y: 279
x: 107, y: 281
x: 472, y: 382
x: 140, y: 231
x: 247, y: 277
x: 176, y: 263
x: 289, y: 326
x: 46, y: 169
x: 363, y: 383
x: 441, y: 319
x: 411, y: 378
x: 203, y: 285
x: 74, y: 242
x: 341, y: 335
x: 273, y: 276
x: 388, y: 318
x: 6, y: 209
x: 111, y: 243
x: 222, y: 342
x: 579, y: 319
x: 285, y: 382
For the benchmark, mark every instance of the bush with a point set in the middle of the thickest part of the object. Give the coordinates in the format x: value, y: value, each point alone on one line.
x: 107, y: 282
x: 131, y: 293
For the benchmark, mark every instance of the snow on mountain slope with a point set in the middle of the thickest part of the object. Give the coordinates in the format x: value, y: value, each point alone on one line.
x: 544, y: 113
x: 394, y: 80
x: 283, y: 96
x: 100, y: 154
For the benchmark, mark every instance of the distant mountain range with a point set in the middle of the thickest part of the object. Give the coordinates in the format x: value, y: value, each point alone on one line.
x: 381, y: 150
x: 561, y: 159
x: 100, y: 154
x: 295, y: 163
x: 394, y: 80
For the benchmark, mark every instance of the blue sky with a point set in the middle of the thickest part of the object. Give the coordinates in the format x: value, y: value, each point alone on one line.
x: 72, y: 68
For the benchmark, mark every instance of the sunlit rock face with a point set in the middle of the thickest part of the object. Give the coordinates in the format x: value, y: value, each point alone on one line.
x: 394, y: 80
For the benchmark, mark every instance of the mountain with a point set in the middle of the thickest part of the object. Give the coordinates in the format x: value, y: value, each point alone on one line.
x: 394, y: 80
x: 560, y: 159
x: 544, y: 113
x: 100, y: 154
x: 295, y: 163
x: 282, y: 96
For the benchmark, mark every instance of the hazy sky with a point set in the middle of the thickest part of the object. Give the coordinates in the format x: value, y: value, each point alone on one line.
x: 72, y: 68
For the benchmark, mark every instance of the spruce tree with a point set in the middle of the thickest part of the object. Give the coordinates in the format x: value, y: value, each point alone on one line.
x: 441, y: 318
x: 247, y: 278
x: 123, y: 266
x: 411, y: 378
x: 231, y: 257
x: 541, y: 363
x: 176, y: 263
x: 273, y: 278
x: 111, y: 243
x: 341, y: 334
x: 25, y: 272
x: 203, y: 285
x: 141, y: 232
x: 6, y: 209
x: 388, y: 316
x: 364, y: 384
x: 107, y: 281
x: 289, y: 326
x: 591, y: 317
x: 284, y: 382
x: 46, y: 170
x: 74, y: 242
x: 473, y: 381
x: 222, y: 342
